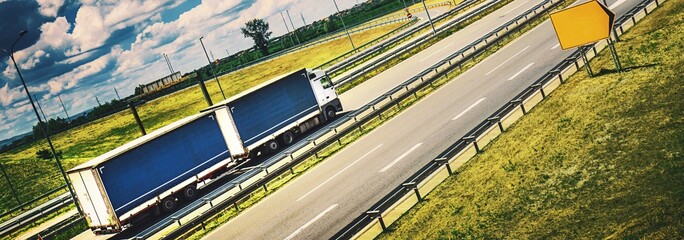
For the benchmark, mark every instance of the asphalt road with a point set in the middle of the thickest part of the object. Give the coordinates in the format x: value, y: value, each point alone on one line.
x: 322, y: 201
x: 390, y: 78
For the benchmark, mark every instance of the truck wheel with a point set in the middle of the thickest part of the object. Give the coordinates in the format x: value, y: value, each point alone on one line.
x: 272, y: 146
x: 190, y: 192
x: 288, y: 138
x: 330, y: 113
x: 169, y: 204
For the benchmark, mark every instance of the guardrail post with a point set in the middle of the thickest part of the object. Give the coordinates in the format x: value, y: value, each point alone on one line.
x: 376, y: 214
x: 519, y: 101
x: 541, y: 89
x: 472, y: 139
x: 498, y: 122
x: 414, y: 186
x: 574, y: 60
x: 444, y: 161
x: 557, y: 72
x: 177, y: 220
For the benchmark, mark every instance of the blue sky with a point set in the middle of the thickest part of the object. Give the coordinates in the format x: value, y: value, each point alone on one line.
x: 80, y: 49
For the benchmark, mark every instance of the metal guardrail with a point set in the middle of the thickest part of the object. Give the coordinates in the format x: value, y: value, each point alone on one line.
x: 414, y: 44
x: 341, y: 63
x: 331, y: 36
x: 258, y: 177
x: 469, y: 145
x: 32, y: 201
x: 28, y: 217
x: 58, y: 228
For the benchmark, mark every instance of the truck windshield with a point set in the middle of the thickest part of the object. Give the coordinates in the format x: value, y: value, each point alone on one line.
x: 325, y: 81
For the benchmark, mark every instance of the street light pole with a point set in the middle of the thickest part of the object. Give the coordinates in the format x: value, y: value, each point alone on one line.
x: 286, y: 27
x: 212, y: 68
x: 41, y: 124
x: 293, y: 27
x: 344, y: 26
x: 429, y: 18
x: 64, y: 108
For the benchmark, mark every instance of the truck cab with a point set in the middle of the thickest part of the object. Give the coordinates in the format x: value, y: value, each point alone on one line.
x: 325, y: 93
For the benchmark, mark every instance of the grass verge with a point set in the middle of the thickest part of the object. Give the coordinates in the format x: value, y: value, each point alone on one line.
x: 604, y: 160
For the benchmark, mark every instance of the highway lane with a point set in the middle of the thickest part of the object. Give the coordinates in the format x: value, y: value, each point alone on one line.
x: 322, y: 201
x: 390, y: 78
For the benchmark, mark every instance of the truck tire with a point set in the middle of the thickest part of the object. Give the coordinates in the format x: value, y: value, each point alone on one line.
x: 168, y: 204
x: 272, y: 146
x: 288, y: 138
x: 330, y: 113
x: 190, y: 192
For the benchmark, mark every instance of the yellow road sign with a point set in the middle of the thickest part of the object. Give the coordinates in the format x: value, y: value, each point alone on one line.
x: 582, y: 24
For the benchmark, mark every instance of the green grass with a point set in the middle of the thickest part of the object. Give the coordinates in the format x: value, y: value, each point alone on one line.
x: 601, y: 158
x: 31, y: 176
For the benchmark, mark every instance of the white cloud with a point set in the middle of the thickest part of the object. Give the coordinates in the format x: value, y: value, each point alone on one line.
x: 49, y: 8
x: 8, y: 95
x: 90, y: 31
x: 71, y: 79
x: 55, y: 34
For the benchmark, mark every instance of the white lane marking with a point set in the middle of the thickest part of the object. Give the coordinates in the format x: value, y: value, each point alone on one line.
x: 429, y: 56
x: 617, y: 3
x: 521, y: 70
x: 338, y: 173
x: 400, y: 157
x: 311, y: 221
x: 468, y: 109
x: 509, y: 11
x: 497, y: 67
x: 555, y: 46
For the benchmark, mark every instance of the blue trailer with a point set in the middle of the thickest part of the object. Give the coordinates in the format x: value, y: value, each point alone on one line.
x: 150, y: 174
x: 275, y: 113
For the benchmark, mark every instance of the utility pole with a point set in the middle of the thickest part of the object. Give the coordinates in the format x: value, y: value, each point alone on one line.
x: 293, y: 27
x: 168, y: 62
x: 117, y: 93
x: 98, y: 101
x: 303, y: 20
x: 429, y: 18
x: 286, y: 27
x: 344, y: 26
x: 64, y: 108
x: 212, y: 68
x: 40, y: 108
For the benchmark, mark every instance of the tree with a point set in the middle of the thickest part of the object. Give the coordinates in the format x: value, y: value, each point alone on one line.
x: 257, y: 29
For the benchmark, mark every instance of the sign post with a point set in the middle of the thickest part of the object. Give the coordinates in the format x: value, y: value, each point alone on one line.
x: 583, y: 24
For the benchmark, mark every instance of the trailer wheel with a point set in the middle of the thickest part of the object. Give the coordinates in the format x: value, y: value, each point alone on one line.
x: 190, y: 192
x: 272, y: 146
x: 330, y: 113
x: 169, y: 204
x: 288, y: 138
